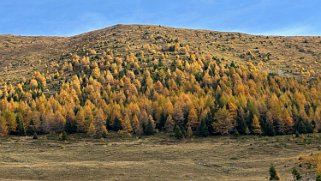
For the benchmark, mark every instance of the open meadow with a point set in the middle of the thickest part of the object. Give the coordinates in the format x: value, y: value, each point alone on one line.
x: 155, y: 158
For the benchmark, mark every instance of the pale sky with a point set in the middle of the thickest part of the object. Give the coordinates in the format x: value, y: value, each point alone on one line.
x: 71, y: 17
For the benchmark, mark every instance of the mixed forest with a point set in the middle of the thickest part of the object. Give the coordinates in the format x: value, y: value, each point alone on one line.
x: 150, y: 81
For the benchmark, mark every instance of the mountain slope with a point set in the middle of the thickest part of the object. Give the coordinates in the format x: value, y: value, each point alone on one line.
x: 299, y: 56
x: 140, y: 79
x: 294, y: 55
x: 20, y: 55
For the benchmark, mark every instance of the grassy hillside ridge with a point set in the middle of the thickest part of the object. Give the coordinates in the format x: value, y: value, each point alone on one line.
x: 296, y: 55
x: 21, y: 55
x: 142, y: 79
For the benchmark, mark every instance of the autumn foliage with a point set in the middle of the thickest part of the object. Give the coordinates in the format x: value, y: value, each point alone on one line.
x: 159, y: 89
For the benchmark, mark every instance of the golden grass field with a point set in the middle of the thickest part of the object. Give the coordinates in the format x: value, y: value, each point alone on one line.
x: 155, y: 158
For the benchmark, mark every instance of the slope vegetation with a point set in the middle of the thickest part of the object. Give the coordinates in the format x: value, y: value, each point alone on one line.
x: 141, y: 79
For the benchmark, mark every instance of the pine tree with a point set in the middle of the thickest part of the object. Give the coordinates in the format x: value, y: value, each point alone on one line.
x: 30, y: 128
x: 69, y: 126
x: 300, y: 127
x: 149, y: 128
x: 20, y: 130
x: 241, y: 127
x: 202, y: 129
x: 117, y: 124
x: 270, y: 131
x: 178, y: 132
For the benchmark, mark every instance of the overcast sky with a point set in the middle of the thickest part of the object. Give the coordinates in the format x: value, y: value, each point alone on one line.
x: 70, y: 17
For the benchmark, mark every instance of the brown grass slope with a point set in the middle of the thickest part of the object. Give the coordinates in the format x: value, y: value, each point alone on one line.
x: 21, y: 55
x: 299, y: 56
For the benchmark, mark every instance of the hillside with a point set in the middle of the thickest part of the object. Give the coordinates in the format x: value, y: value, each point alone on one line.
x: 142, y: 79
x: 21, y: 55
x: 290, y: 55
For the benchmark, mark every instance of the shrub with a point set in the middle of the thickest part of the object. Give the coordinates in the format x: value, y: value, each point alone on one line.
x: 189, y: 132
x: 35, y: 136
x: 273, y: 173
x: 296, y: 174
x: 63, y: 136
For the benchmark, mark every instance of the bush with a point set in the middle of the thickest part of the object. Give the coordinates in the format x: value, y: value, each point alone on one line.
x: 296, y: 174
x: 273, y: 173
x: 236, y: 133
x: 104, y: 134
x: 63, y: 136
x: 189, y: 132
x: 35, y: 136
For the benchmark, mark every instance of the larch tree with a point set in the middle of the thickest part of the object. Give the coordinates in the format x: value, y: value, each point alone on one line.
x: 193, y: 117
x: 3, y: 126
x: 80, y: 121
x: 136, y: 125
x: 127, y: 127
x: 149, y: 127
x: 10, y: 118
x: 255, y: 124
x: 178, y: 114
x: 169, y: 124
x: 99, y: 123
x: 223, y: 123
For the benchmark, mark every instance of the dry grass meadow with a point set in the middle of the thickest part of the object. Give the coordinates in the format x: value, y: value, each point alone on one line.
x: 155, y: 158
